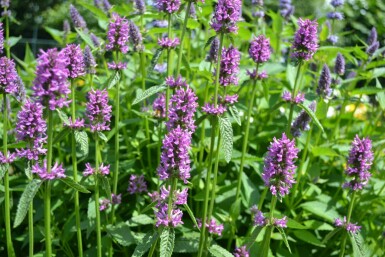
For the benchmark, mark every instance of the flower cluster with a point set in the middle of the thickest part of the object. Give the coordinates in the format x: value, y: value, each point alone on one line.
x: 213, y: 227
x: 76, y: 125
x: 98, y: 110
x: 229, y: 66
x: 258, y: 217
x: 117, y: 65
x: 279, y: 167
x: 298, y: 99
x: 8, y: 76
x: 103, y: 170
x: 258, y: 8
x: 105, y: 203
x: 57, y: 171
x: 281, y: 223
x: 334, y: 15
x: 350, y: 227
x: 77, y: 19
x: 373, y: 43
x: 259, y: 49
x: 339, y: 67
x: 286, y: 9
x: 135, y: 37
x: 1, y: 38
x: 325, y: 80
x: 305, y: 40
x: 159, y: 106
x: 89, y: 61
x: 118, y: 34
x: 241, y: 252
x: 178, y: 82
x: 337, y: 3
x: 137, y: 184
x: 168, y: 43
x: 167, y: 6
x: 260, y: 76
x: 50, y: 85
x: 226, y: 16
x: 212, y: 110
x: 75, y: 60
x: 140, y: 6
x: 301, y: 123
x: 8, y: 158
x: 213, y: 53
x: 359, y: 163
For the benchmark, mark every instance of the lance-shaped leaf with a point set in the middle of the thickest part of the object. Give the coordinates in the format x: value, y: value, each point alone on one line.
x: 235, y: 114
x: 147, y: 93
x: 219, y: 251
x: 105, y: 185
x: 81, y: 139
x: 312, y: 115
x: 113, y: 80
x: 227, y: 137
x: 145, y: 244
x: 155, y: 59
x: 71, y: 183
x: 3, y: 170
x: 167, y: 241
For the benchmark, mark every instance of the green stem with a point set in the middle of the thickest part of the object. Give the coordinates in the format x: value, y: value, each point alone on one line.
x: 262, y: 199
x: 7, y: 47
x: 294, y: 93
x: 270, y: 228
x: 30, y: 229
x: 152, y: 249
x: 169, y: 70
x: 75, y: 172
x: 98, y: 231
x: 350, y: 210
x: 187, y: 14
x: 173, y: 182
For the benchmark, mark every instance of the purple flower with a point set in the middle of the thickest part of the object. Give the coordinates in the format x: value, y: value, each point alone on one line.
x: 373, y: 48
x: 75, y: 60
x: 333, y: 39
x: 336, y: 3
x: 359, y: 163
x: 241, y: 252
x: 258, y: 217
x: 350, y: 227
x: 89, y: 170
x: 212, y: 110
x: 259, y: 49
x: 57, y: 171
x: 98, y: 110
x: 137, y: 184
x: 76, y: 125
x: 305, y: 40
x: 160, y: 23
x: 213, y: 53
x: 229, y: 66
x: 260, y: 76
x: 50, y: 85
x: 335, y: 16
x: 159, y: 106
x: 163, y: 219
x: 89, y: 61
x: 104, y: 204
x: 339, y: 68
x: 160, y: 67
x: 116, y: 199
x: 298, y: 99
x: 104, y: 170
x: 279, y: 167
x: 4, y: 4
x: 140, y: 6
x: 178, y: 82
x: 183, y: 105
x: 372, y: 36
x: 168, y: 42
x: 281, y: 223
x: 95, y: 40
x: 167, y: 6
x: 117, y: 66
x: 214, y: 228
x: 325, y: 80
x: 135, y: 37
x: 286, y: 9
x: 106, y: 5
x: 175, y: 160
x: 1, y: 38
x: 8, y: 158
x: 180, y: 196
x: 302, y: 122
x: 77, y: 19
x: 9, y: 78
x: 118, y: 34
x: 230, y: 99
x: 226, y: 16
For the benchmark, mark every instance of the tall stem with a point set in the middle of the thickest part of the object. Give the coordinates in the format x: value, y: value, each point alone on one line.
x: 350, y: 210
x: 47, y: 196
x: 30, y: 229
x: 294, y: 92
x: 75, y: 172
x: 7, y: 47
x: 169, y: 70
x: 270, y: 228
x: 180, y: 52
x: 98, y: 231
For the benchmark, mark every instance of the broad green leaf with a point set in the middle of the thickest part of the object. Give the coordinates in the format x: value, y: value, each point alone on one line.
x: 145, y: 244
x: 147, y: 93
x: 86, y: 38
x: 105, y: 185
x: 28, y: 171
x: 25, y: 200
x: 167, y: 241
x: 308, y: 237
x: 113, y: 80
x: 63, y: 117
x: 367, y: 91
x: 227, y: 136
x: 95, y: 10
x: 210, y: 41
x: 81, y: 139
x: 191, y: 214
x: 71, y: 183
x: 185, y: 62
x: 57, y: 35
x: 284, y: 237
x: 235, y: 209
x: 251, y: 240
x: 321, y: 209
x: 192, y: 24
x: 323, y: 151
x: 295, y: 224
x: 218, y: 251
x: 186, y: 245
x: 102, y: 136
x: 91, y: 216
x: 155, y: 59
x: 380, y: 95
x: 3, y: 170
x: 359, y: 247
x: 235, y: 114
x: 121, y: 233
x: 141, y: 219
x: 312, y: 115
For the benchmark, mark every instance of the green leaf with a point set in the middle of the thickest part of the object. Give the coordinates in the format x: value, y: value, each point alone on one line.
x: 149, y: 207
x: 219, y: 251
x: 380, y: 95
x: 113, y: 80
x: 81, y: 139
x: 86, y: 38
x: 3, y: 170
x: 102, y: 136
x: 331, y: 234
x: 321, y: 209
x: 63, y: 117
x: 227, y: 136
x: 121, y: 233
x: 186, y: 245
x: 323, y: 151
x: 312, y: 115
x: 235, y: 209
x: 105, y: 185
x: 155, y: 59
x: 71, y: 183
x: 25, y: 200
x: 145, y: 244
x: 28, y: 171
x: 186, y: 63
x: 191, y: 214
x: 359, y: 247
x: 62, y: 134
x: 57, y: 35
x: 308, y: 237
x: 147, y: 93
x: 167, y: 241
x: 91, y: 216
x: 235, y: 114
x: 209, y: 41
x: 284, y: 237
x: 367, y: 91
x: 141, y: 219
x: 92, y: 8
x: 251, y: 240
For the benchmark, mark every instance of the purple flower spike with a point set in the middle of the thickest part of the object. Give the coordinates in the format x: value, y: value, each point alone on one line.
x: 335, y: 16
x: 226, y: 16
x: 136, y: 37
x: 106, y: 5
x: 302, y: 122
x: 116, y: 199
x: 281, y: 223
x: 1, y: 38
x: 117, y: 66
x: 298, y: 99
x: 229, y: 66
x: 325, y: 80
x: 104, y: 204
x: 77, y: 19
x: 95, y: 40
x: 260, y: 76
x: 305, y: 40
x: 259, y: 218
x: 163, y: 219
x: 337, y: 3
x: 89, y: 170
x: 137, y: 184
x: 178, y: 82
x: 215, y: 228
x: 159, y: 106
x: 359, y: 163
x: 286, y: 9
x: 241, y: 252
x: 339, y: 67
x: 98, y: 110
x: 118, y: 34
x: 140, y: 6
x: 373, y: 48
x: 168, y: 43
x: 57, y: 171
x: 75, y: 60
x: 212, y: 110
x: 259, y: 49
x: 9, y: 79
x: 89, y: 61
x: 213, y: 53
x: 51, y: 87
x: 372, y: 36
x: 9, y: 158
x: 279, y: 168
x: 350, y: 227
x: 167, y: 6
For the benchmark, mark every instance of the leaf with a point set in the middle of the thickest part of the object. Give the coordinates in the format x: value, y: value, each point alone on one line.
x: 308, y: 237
x: 149, y: 207
x: 323, y: 151
x: 57, y: 35
x: 380, y: 96
x: 235, y: 114
x: 91, y: 216
x: 3, y: 170
x: 113, y: 80
x: 218, y: 251
x: 155, y: 59
x: 331, y: 234
x: 186, y: 245
x: 186, y: 63
x: 98, y: 12
x: 235, y: 209
x: 209, y: 41
x: 312, y: 115
x: 167, y: 241
x: 62, y: 134
x: 145, y: 244
x: 191, y: 214
x: 105, y: 185
x: 121, y: 233
x: 227, y: 137
x: 359, y: 247
x: 63, y: 117
x: 102, y: 136
x: 141, y: 219
x: 367, y: 91
x: 147, y: 93
x: 25, y: 200
x: 28, y: 171
x: 71, y: 183
x: 284, y: 237
x: 321, y: 209
x: 251, y: 240
x: 86, y: 38
x: 81, y: 139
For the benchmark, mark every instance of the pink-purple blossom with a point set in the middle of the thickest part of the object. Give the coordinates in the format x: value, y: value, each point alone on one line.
x: 118, y: 34
x: 77, y: 19
x: 57, y: 171
x: 89, y: 61
x: 103, y: 170
x: 213, y: 227
x: 350, y: 227
x: 212, y: 110
x: 8, y: 158
x: 98, y: 110
x: 168, y: 43
x: 298, y: 99
x: 259, y: 49
x: 241, y: 251
x: 305, y: 40
x: 159, y: 106
x: 167, y: 6
x: 176, y: 82
x: 117, y: 65
x: 281, y: 223
x: 226, y: 16
x: 8, y: 76
x: 137, y: 184
x: 75, y: 60
x: 260, y: 76
x: 325, y: 80
x: 229, y: 66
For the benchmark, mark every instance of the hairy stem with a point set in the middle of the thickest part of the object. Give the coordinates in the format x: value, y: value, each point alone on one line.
x: 97, y: 211
x: 180, y: 52
x: 350, y: 210
x: 294, y: 92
